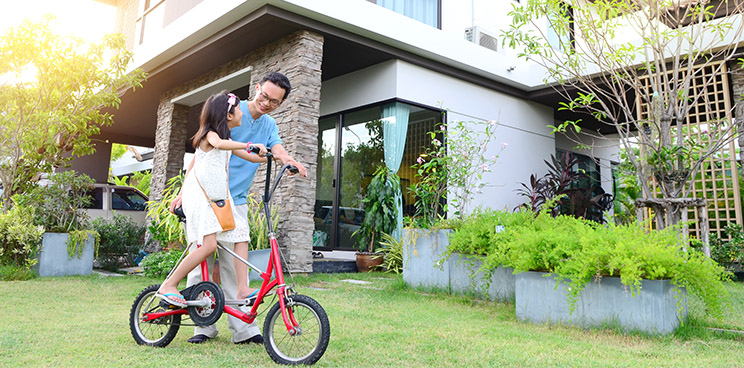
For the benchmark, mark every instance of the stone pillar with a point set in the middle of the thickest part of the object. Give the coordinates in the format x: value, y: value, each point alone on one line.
x: 299, y: 57
x: 298, y: 127
x: 170, y: 138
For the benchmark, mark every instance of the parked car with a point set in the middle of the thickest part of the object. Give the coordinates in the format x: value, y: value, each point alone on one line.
x: 109, y: 198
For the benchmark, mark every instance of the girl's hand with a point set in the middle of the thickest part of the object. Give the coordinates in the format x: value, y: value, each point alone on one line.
x: 261, y: 149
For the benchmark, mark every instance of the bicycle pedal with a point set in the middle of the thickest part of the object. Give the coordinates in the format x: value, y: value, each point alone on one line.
x: 165, y: 305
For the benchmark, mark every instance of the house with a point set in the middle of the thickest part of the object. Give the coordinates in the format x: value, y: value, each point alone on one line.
x: 351, y: 63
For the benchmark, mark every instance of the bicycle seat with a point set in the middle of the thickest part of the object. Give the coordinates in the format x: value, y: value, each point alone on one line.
x: 178, y: 211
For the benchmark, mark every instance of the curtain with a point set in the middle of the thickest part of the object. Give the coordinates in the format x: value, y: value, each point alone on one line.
x: 394, y: 131
x: 425, y: 11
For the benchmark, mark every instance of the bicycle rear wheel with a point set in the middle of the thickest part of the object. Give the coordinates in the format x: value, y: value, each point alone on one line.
x: 310, y: 341
x: 159, y: 332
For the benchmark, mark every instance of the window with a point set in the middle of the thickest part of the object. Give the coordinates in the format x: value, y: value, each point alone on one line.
x: 425, y: 11
x: 96, y: 199
x: 127, y: 199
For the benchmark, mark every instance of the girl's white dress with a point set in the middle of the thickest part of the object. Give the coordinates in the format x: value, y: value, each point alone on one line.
x: 211, y: 170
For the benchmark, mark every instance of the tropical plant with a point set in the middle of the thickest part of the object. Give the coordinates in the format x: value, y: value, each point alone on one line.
x: 257, y: 222
x: 165, y: 226
x: 639, y: 69
x: 380, y: 209
x: 140, y: 180
x: 55, y: 98
x: 392, y: 253
x: 121, y: 241
x: 576, y: 190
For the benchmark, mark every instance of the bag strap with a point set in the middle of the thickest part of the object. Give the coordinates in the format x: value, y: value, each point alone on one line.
x: 227, y: 182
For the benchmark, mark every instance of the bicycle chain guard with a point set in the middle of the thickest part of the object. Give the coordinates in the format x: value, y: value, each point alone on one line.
x: 208, y: 315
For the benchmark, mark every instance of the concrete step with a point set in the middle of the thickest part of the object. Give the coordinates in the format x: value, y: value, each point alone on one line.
x: 334, y: 265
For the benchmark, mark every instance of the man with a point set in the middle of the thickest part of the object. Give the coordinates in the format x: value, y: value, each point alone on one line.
x: 256, y: 127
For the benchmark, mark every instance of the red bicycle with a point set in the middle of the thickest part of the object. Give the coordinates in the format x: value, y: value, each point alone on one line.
x: 300, y: 336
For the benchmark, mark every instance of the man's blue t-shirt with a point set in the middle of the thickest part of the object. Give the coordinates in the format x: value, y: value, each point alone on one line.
x: 262, y: 130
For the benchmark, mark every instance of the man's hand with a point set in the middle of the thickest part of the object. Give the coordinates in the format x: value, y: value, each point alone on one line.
x: 302, y: 169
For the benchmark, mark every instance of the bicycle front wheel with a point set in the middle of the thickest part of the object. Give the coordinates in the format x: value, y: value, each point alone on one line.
x: 310, y: 341
x: 159, y: 332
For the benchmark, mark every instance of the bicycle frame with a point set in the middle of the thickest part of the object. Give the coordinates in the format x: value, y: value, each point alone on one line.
x: 274, y: 267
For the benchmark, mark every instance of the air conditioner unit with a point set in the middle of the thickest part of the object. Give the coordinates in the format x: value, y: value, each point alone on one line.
x: 480, y: 36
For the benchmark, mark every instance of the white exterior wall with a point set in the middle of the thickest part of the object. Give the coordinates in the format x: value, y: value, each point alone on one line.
x: 523, y: 123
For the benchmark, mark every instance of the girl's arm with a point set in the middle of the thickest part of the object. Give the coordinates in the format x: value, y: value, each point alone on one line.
x: 224, y: 144
x: 245, y: 155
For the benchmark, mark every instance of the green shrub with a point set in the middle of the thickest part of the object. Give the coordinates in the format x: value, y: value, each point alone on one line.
x: 577, y: 250
x: 159, y: 264
x: 728, y: 252
x: 16, y: 273
x: 121, y: 240
x: 20, y: 238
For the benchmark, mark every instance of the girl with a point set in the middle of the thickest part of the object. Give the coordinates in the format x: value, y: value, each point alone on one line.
x: 213, y: 147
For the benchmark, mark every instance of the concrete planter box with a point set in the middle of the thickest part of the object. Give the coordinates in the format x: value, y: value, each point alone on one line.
x: 422, y: 250
x: 499, y: 287
x: 607, y: 303
x: 260, y: 259
x: 423, y: 267
x: 55, y: 261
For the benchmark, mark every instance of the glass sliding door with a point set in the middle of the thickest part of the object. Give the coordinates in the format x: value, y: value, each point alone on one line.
x: 325, y: 185
x: 350, y: 149
x: 361, y: 154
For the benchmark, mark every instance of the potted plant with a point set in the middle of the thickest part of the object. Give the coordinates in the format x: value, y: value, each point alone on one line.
x: 380, y: 217
x: 68, y: 244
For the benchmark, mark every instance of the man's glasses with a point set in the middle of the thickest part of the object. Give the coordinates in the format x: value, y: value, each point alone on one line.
x: 231, y: 101
x: 265, y: 97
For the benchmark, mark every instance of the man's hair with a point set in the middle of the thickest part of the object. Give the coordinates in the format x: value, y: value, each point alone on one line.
x: 280, y: 80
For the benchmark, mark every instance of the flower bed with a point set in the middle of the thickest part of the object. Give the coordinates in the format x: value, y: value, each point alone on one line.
x: 576, y: 252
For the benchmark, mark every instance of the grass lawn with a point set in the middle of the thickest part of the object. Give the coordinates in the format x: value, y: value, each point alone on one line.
x: 83, y: 322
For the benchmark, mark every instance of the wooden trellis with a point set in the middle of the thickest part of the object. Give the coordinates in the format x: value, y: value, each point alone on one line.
x: 718, y: 180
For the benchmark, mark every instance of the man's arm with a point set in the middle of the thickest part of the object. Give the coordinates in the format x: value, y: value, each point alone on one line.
x: 284, y: 158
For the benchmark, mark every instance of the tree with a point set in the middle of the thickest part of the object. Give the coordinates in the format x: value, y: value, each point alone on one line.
x: 643, y: 89
x: 52, y: 91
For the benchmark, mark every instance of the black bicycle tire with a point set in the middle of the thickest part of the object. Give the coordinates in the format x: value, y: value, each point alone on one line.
x: 324, y: 330
x: 135, y: 326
